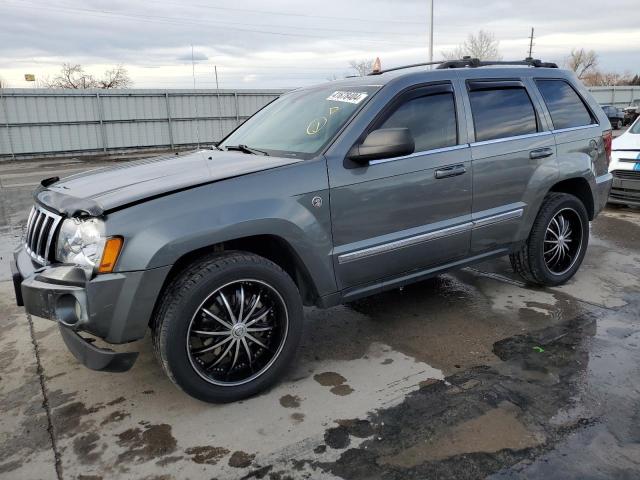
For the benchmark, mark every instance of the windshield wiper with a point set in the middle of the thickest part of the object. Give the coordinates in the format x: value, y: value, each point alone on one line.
x: 246, y: 149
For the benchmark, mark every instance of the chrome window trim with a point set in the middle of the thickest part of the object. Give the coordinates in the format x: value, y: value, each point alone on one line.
x: 426, y: 237
x: 421, y: 153
x: 572, y: 129
x: 515, y: 137
x: 500, y: 217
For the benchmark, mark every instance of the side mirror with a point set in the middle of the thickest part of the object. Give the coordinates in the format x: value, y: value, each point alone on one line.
x: 383, y: 143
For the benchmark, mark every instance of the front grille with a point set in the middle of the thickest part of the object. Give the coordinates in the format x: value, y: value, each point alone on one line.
x: 626, y: 174
x: 40, y: 234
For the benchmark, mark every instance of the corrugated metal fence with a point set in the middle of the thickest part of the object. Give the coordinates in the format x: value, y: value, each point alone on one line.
x: 39, y: 122
x: 42, y: 122
x: 616, y: 96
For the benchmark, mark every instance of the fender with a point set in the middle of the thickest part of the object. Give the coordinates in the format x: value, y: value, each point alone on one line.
x: 160, y: 231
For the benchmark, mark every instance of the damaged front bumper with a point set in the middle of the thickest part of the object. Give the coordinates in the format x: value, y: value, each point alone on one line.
x: 115, y: 307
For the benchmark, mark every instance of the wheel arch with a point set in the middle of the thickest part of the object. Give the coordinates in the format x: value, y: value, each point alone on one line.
x: 271, y: 247
x: 578, y: 187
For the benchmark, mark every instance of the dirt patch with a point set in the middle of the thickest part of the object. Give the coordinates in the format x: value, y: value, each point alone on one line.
x: 329, y: 379
x: 116, y: 401
x: 206, y: 454
x: 491, y: 432
x: 31, y: 436
x: 290, y: 401
x: 6, y: 358
x: 154, y: 441
x: 337, y: 437
x: 85, y: 446
x: 163, y: 462
x: 357, y: 427
x: 10, y: 466
x: 297, y: 417
x: 479, y: 420
x: 116, y: 416
x: 67, y: 418
x: 341, y: 390
x: 335, y: 381
x: 240, y: 459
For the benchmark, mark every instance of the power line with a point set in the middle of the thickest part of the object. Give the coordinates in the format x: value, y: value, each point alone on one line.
x: 291, y: 14
x: 189, y: 21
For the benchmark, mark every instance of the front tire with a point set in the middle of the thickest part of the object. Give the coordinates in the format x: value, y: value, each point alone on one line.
x: 557, y: 243
x: 228, y: 326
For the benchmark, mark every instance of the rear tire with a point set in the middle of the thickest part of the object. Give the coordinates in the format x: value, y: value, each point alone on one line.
x: 228, y: 326
x: 557, y: 243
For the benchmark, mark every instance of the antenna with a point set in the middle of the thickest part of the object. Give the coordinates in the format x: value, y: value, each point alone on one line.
x: 531, y: 44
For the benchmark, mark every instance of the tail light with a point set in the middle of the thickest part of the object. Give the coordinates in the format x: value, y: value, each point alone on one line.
x: 607, y: 137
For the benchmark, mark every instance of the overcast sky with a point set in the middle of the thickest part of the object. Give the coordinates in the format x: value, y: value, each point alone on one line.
x: 286, y: 44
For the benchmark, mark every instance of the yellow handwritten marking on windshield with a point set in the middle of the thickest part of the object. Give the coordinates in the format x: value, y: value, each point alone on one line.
x: 316, y: 125
x: 333, y: 110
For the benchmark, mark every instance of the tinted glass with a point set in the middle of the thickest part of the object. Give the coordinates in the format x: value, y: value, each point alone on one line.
x: 500, y: 113
x: 299, y: 124
x: 431, y: 121
x: 565, y: 106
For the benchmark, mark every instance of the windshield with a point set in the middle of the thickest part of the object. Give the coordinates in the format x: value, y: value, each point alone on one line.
x: 299, y: 124
x: 635, y: 128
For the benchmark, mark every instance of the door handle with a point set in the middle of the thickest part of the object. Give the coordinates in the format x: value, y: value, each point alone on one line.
x: 540, y: 153
x: 452, y: 171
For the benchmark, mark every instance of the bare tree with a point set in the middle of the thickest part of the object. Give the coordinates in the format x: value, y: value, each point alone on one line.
x: 117, y: 77
x: 597, y: 78
x: 482, y: 45
x: 74, y: 77
x: 582, y: 62
x: 362, y: 67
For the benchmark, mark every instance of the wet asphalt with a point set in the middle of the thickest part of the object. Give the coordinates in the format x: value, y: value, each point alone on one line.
x: 468, y: 375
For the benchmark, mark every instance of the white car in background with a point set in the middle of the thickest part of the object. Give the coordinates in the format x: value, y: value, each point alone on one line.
x: 625, y: 167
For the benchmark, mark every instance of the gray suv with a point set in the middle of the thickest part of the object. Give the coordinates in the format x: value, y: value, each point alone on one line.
x: 326, y: 195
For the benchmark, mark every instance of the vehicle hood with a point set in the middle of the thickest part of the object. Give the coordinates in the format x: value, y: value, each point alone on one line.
x: 107, y: 188
x: 627, y: 141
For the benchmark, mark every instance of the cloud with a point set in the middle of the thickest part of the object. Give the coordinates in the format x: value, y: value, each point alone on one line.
x: 196, y: 57
x: 285, y: 44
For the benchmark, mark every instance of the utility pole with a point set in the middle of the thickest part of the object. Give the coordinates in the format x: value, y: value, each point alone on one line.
x: 193, y: 68
x: 215, y: 70
x: 531, y: 44
x: 431, y: 33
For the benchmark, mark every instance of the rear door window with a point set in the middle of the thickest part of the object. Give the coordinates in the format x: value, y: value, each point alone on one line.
x: 431, y: 119
x: 502, y: 112
x: 566, y: 107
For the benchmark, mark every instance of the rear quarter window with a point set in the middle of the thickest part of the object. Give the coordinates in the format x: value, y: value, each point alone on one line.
x: 566, y: 107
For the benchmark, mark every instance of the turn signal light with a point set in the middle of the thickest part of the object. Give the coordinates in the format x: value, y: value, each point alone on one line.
x: 110, y: 255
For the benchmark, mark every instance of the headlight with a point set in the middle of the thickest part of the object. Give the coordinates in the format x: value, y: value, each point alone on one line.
x: 81, y: 242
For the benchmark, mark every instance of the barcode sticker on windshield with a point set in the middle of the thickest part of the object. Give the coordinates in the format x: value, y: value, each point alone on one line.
x: 349, y: 97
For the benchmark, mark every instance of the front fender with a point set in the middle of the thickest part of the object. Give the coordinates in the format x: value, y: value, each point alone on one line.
x: 276, y: 202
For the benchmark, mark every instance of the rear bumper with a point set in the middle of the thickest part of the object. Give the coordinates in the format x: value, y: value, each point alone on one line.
x: 603, y: 187
x: 625, y: 192
x: 115, y: 307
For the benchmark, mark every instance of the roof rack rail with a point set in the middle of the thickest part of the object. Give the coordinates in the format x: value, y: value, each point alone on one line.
x: 474, y: 63
x: 379, y: 72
